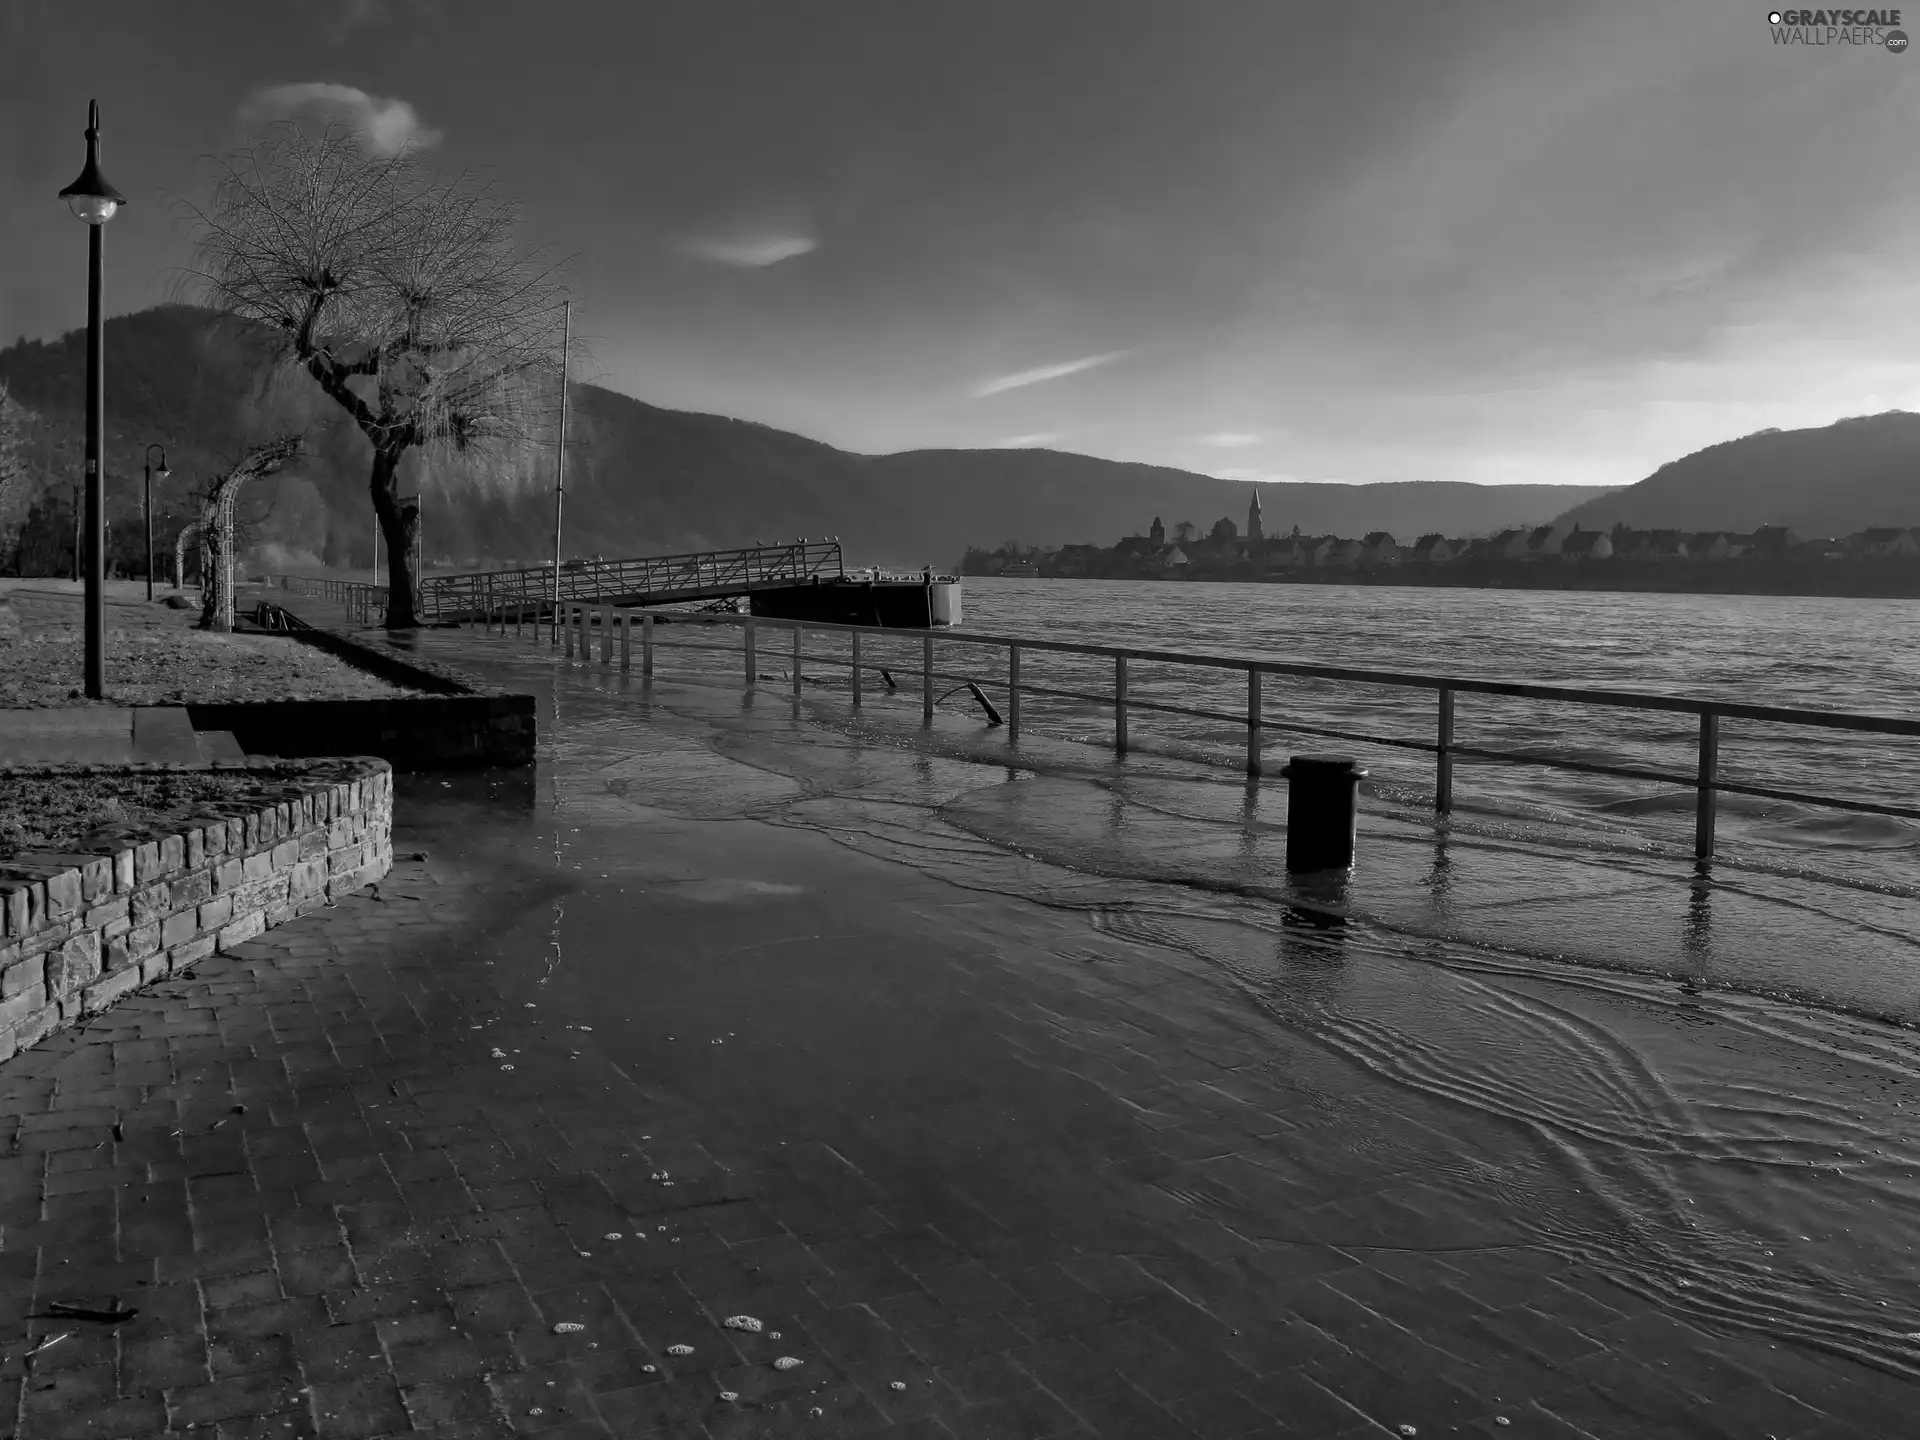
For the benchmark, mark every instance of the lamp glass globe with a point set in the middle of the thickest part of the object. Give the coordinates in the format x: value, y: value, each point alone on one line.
x: 94, y: 209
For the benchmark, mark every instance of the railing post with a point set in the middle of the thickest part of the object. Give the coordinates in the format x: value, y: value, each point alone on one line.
x: 1443, y: 767
x: 646, y: 644
x: 1120, y: 704
x: 796, y: 657
x: 1013, y: 692
x: 1703, y: 814
x: 626, y: 641
x: 606, y: 636
x: 752, y: 674
x: 856, y: 667
x: 926, y: 677
x: 1253, y: 722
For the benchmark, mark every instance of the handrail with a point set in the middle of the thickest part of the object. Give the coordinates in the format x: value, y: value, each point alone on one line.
x: 1705, y: 780
x: 362, y: 600
x: 1621, y: 699
x: 655, y: 577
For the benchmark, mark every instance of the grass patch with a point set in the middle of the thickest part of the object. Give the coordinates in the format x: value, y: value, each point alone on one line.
x: 57, y: 811
x: 154, y: 666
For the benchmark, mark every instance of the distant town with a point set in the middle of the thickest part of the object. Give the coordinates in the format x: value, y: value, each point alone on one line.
x: 1772, y: 558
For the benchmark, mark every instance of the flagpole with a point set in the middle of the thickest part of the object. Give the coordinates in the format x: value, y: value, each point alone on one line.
x: 560, y: 469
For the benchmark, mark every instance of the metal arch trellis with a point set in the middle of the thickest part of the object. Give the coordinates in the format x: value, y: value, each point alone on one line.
x: 216, y: 527
x: 188, y: 533
x: 225, y: 498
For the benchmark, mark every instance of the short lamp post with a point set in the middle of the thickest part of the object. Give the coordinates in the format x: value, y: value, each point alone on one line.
x: 147, y: 508
x: 93, y: 200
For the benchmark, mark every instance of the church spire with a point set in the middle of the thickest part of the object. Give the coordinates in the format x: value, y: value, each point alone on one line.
x: 1254, y: 530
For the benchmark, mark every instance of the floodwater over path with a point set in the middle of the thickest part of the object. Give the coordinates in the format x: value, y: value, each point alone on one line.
x: 1550, y: 1130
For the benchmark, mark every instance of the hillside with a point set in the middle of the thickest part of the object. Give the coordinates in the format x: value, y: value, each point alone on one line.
x: 1831, y: 480
x: 640, y: 479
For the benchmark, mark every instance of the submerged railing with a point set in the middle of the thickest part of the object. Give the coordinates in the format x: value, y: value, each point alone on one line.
x: 580, y: 622
x: 364, y: 603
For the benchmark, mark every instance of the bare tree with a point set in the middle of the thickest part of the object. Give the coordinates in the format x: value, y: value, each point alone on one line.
x: 408, y: 298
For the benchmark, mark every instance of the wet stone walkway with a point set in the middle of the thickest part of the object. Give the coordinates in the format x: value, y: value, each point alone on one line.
x: 499, y: 1147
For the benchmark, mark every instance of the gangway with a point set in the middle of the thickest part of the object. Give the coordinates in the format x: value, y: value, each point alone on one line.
x: 649, y: 580
x: 770, y: 576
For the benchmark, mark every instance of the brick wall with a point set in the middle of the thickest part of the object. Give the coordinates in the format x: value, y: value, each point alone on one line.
x: 80, y: 929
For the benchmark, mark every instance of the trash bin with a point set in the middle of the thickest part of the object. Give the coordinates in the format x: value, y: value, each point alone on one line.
x: 1323, y: 810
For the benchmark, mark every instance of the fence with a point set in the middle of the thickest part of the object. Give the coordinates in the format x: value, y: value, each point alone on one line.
x: 616, y: 626
x: 366, y: 604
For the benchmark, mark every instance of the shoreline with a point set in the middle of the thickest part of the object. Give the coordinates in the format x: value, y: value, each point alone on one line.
x: 1898, y: 580
x: 1199, y: 827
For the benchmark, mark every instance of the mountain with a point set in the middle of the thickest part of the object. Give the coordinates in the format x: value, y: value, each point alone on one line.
x: 640, y: 479
x: 1827, y: 481
x: 1044, y: 497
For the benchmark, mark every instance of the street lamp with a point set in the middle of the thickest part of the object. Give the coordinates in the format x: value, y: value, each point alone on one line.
x: 560, y: 466
x: 148, y: 507
x: 93, y: 200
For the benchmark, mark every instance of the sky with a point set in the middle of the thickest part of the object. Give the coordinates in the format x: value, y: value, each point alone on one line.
x: 1498, y: 243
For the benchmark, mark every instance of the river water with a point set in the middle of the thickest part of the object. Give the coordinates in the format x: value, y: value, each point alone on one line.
x: 1824, y: 653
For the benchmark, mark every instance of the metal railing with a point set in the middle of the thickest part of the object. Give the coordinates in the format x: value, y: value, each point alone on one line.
x: 268, y: 616
x: 366, y: 604
x: 654, y: 579
x: 578, y: 624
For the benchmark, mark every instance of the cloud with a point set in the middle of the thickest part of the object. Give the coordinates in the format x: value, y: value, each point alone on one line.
x: 753, y: 254
x: 1046, y: 372
x: 362, y: 12
x: 1027, y: 442
x: 389, y: 125
x: 1230, y: 439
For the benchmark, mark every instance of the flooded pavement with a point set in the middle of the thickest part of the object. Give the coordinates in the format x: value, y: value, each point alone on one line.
x: 1010, y: 1101
x: 1453, y: 1057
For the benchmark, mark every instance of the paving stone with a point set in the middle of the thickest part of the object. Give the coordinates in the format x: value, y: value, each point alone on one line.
x: 242, y: 1396
x: 1224, y: 1414
x: 359, y: 1408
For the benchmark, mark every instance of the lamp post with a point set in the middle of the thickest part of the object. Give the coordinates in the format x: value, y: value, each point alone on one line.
x: 148, y: 507
x: 560, y: 465
x: 93, y: 200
